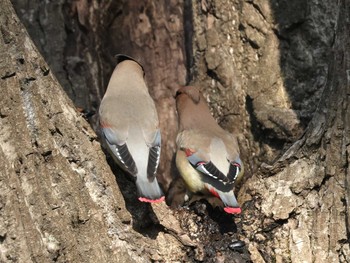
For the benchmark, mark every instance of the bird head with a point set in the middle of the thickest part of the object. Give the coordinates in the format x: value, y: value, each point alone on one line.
x: 192, y: 108
x: 186, y: 93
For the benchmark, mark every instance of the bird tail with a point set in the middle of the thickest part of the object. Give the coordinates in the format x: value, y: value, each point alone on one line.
x: 230, y: 202
x: 149, y: 191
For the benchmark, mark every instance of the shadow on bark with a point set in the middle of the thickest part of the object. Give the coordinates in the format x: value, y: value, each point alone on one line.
x: 274, y: 73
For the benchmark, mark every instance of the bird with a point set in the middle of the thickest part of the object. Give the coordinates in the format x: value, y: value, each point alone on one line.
x: 130, y: 127
x: 207, y: 156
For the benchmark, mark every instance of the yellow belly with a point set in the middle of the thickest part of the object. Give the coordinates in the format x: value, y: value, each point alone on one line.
x: 190, y: 175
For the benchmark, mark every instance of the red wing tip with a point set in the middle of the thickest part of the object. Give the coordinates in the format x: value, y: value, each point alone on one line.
x: 105, y: 125
x: 146, y: 200
x: 189, y: 152
x: 233, y: 210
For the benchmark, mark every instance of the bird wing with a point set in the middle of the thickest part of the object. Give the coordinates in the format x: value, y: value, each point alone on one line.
x: 154, y: 155
x: 125, y: 127
x: 203, y: 156
x: 208, y: 168
x: 120, y: 150
x: 236, y: 169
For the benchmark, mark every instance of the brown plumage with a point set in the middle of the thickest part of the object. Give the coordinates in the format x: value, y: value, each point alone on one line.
x: 207, y: 156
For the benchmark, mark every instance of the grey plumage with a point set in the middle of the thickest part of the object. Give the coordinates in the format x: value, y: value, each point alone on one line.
x: 130, y: 125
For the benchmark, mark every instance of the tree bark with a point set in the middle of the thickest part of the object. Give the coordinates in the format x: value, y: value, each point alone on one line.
x: 152, y: 32
x: 87, y: 37
x: 59, y: 201
x: 275, y: 73
x: 302, y: 200
x: 69, y: 35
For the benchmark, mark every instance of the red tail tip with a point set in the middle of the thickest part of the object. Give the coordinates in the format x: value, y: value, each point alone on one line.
x: 146, y: 200
x: 233, y: 210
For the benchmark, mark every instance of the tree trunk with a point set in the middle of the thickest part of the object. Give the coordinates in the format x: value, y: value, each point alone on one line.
x: 302, y: 201
x: 293, y: 61
x: 59, y: 201
x: 274, y: 72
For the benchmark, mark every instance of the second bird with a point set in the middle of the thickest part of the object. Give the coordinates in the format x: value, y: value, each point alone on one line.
x: 207, y: 156
x: 130, y: 126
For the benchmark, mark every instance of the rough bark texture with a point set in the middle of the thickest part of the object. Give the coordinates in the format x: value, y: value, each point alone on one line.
x: 152, y: 32
x: 59, y: 201
x: 79, y: 40
x: 275, y: 72
x: 265, y: 65
x: 69, y: 35
x: 302, y: 200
